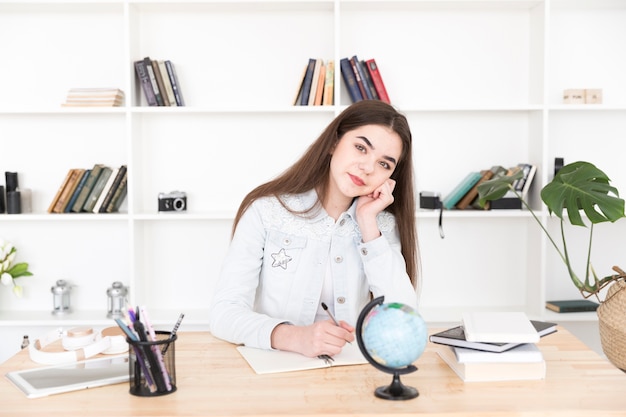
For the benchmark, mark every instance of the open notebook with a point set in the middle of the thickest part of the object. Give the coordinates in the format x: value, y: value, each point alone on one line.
x: 265, y: 361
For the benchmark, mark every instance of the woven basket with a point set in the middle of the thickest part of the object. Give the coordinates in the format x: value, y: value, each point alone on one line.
x: 612, y: 323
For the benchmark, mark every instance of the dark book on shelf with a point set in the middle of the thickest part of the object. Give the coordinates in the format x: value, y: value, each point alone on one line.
x: 153, y: 82
x: 455, y: 336
x: 77, y: 191
x: 348, y: 77
x: 159, y: 81
x: 354, y: 63
x: 377, y: 80
x: 119, y: 195
x: 144, y: 81
x: 95, y: 192
x: 571, y: 306
x: 460, y: 190
x: 111, y: 191
x: 84, y: 193
x: 297, y: 98
x: 105, y: 190
x: 368, y: 80
x: 308, y: 82
x: 171, y: 73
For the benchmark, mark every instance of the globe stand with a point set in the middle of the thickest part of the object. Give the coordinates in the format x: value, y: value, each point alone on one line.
x: 396, y: 390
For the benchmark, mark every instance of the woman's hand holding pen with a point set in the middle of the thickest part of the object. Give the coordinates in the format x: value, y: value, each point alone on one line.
x: 319, y: 338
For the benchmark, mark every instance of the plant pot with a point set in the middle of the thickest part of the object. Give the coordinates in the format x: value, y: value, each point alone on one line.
x: 612, y: 323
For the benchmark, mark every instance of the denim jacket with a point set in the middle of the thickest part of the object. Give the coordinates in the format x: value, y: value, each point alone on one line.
x: 275, y: 267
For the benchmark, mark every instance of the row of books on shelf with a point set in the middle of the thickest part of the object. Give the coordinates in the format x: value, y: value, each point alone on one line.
x: 465, y: 194
x: 94, y: 97
x: 100, y: 189
x: 159, y: 82
x: 317, y: 83
x: 494, y: 347
x: 363, y: 79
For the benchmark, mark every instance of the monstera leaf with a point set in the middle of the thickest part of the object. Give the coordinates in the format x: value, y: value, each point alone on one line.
x: 581, y: 186
x: 496, y: 188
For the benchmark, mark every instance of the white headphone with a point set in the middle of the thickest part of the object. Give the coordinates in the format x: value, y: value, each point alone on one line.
x: 79, y: 343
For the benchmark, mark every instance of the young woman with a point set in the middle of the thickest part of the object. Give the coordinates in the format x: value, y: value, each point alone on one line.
x: 337, y: 227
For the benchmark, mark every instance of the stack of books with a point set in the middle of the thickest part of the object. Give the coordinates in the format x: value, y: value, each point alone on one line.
x: 94, y: 97
x: 159, y: 82
x: 100, y: 189
x: 363, y: 79
x: 494, y: 347
x: 317, y: 84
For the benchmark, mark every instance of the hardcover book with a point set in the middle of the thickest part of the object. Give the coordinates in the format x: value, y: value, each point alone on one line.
x: 153, y: 82
x: 121, y: 173
x: 169, y: 92
x: 354, y: 63
x: 571, y: 306
x: 308, y: 82
x: 455, y: 336
x: 499, y: 327
x: 367, y: 79
x: 159, y: 80
x: 349, y: 78
x: 319, y: 91
x: 144, y: 81
x: 460, y: 190
x: 92, y: 198
x: 171, y: 73
x: 471, y: 195
x: 84, y: 193
x: 526, y: 352
x: 68, y: 190
x: 60, y: 191
x: 118, y: 196
x: 377, y: 79
x: 107, y: 186
x: 77, y: 191
x: 329, y: 84
x: 315, y: 82
x: 492, y: 371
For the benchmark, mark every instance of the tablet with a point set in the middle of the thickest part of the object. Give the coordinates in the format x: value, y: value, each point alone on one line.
x: 41, y: 382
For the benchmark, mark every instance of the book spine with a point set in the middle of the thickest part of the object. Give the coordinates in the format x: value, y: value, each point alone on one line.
x: 77, y: 191
x: 368, y: 80
x: 348, y: 77
x: 377, y: 80
x: 319, y: 91
x: 153, y: 81
x: 116, y: 183
x: 171, y: 73
x: 308, y: 82
x: 107, y: 186
x: 144, y: 81
x: 159, y: 81
x: 60, y: 191
x: 84, y: 193
x: 97, y: 189
x: 315, y: 82
x: 354, y: 63
x: 68, y: 191
x: 169, y: 92
x: 329, y: 84
x: 119, y: 195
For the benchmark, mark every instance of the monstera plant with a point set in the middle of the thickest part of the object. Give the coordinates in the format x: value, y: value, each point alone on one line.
x: 580, y: 187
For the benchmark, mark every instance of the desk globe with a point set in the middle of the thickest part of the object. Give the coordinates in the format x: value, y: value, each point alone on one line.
x: 391, y: 337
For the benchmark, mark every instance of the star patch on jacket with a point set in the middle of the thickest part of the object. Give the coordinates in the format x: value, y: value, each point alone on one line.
x: 280, y: 259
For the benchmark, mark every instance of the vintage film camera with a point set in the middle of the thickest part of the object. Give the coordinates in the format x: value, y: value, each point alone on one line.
x: 173, y: 201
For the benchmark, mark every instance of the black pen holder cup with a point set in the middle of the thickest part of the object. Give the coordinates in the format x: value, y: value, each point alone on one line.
x: 152, y: 365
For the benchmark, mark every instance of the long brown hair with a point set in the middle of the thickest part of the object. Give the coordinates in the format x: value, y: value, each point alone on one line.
x: 312, y: 170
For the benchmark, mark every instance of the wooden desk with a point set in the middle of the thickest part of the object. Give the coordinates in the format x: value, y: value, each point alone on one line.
x: 214, y: 380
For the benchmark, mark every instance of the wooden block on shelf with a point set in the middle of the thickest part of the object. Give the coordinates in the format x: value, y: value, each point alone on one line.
x: 574, y: 96
x: 593, y: 96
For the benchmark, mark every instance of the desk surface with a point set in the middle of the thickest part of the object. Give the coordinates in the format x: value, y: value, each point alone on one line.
x: 214, y: 380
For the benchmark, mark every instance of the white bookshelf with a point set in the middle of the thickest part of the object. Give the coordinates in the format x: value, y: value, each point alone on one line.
x: 480, y: 81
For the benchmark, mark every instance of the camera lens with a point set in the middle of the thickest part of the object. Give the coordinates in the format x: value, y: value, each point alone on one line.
x: 179, y: 204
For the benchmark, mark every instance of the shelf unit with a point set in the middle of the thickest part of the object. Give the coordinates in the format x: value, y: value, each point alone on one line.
x: 480, y: 81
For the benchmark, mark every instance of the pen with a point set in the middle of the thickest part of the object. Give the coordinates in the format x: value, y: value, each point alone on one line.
x: 325, y: 307
x: 155, y: 349
x: 174, y: 330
